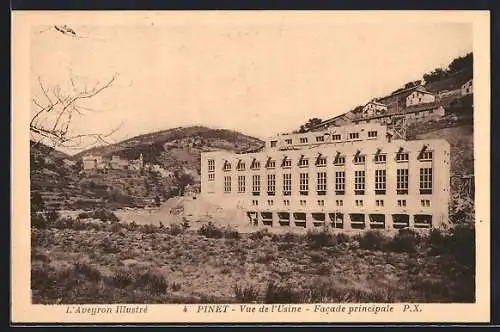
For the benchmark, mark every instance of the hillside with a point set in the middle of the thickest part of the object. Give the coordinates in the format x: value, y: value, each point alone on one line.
x: 178, y: 150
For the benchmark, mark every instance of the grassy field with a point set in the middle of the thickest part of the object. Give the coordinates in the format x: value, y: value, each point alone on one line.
x: 76, y: 262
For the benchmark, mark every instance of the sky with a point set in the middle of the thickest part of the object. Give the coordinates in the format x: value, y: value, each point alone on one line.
x: 259, y: 79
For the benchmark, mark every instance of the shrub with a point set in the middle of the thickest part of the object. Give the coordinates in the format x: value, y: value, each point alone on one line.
x: 246, y: 294
x: 52, y: 216
x: 210, y: 231
x: 342, y: 238
x: 265, y: 257
x: 317, y: 257
x: 404, y: 241
x: 437, y: 242
x: 259, y: 235
x: 108, y: 246
x: 461, y: 244
x: 38, y: 221
x: 88, y: 271
x: 373, y: 240
x: 122, y: 279
x: 318, y: 239
x: 175, y: 229
x: 115, y: 227
x: 152, y: 281
x: 281, y: 294
x: 291, y: 237
x: 230, y: 233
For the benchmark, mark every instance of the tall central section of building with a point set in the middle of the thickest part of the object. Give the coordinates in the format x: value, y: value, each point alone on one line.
x: 349, y: 177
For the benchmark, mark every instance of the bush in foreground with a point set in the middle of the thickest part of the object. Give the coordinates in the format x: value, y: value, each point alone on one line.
x: 373, y: 240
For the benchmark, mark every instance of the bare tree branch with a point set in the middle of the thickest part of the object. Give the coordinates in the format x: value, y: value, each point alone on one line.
x: 62, y: 107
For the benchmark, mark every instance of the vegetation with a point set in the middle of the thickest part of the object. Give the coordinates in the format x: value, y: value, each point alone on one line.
x: 168, y: 264
x: 455, y: 66
x: 311, y: 123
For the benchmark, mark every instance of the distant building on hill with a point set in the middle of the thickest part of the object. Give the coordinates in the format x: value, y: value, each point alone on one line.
x: 91, y: 162
x: 466, y: 88
x: 373, y: 107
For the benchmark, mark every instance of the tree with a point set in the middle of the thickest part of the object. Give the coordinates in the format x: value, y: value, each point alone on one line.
x: 182, y: 180
x: 311, y: 123
x: 460, y: 63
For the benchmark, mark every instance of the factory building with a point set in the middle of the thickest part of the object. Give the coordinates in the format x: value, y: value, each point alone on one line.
x: 349, y: 177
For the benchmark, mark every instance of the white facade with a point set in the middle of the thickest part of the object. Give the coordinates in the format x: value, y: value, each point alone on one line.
x: 91, y: 162
x: 374, y: 108
x: 419, y: 97
x: 466, y: 88
x: 348, y: 184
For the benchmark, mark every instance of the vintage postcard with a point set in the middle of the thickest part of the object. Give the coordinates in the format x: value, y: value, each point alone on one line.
x: 250, y: 166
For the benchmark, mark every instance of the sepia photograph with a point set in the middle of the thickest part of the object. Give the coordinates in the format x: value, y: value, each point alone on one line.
x: 267, y: 160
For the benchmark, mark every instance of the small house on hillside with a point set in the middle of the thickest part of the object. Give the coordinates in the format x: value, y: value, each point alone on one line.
x: 466, y: 88
x: 373, y: 107
x: 91, y: 162
x: 420, y: 96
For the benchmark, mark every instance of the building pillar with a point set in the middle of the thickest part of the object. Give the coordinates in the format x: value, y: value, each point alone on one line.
x: 347, y: 222
x: 411, y: 221
x: 389, y: 222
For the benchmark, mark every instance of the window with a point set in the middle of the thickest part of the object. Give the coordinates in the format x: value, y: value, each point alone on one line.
x: 211, y: 165
x: 255, y: 164
x: 321, y: 202
x: 321, y: 161
x: 359, y: 159
x: 425, y: 202
x: 402, y: 156
x: 274, y: 143
x: 336, y: 137
x: 359, y: 202
x: 426, y: 155
x: 320, y: 138
x: 321, y: 183
x: 339, y: 161
x: 380, y: 181
x: 286, y: 202
x: 227, y: 184
x: 241, y: 183
x: 287, y: 162
x: 339, y: 202
x: 271, y: 184
x: 303, y: 162
x: 426, y: 181
x: 256, y: 184
x: 271, y: 164
x: 359, y: 182
x: 287, y: 184
x: 211, y: 176
x: 255, y: 202
x: 379, y: 202
x: 304, y: 183
x: 303, y: 140
x: 401, y: 202
x: 241, y: 166
x: 340, y: 182
x: 372, y: 134
x: 227, y: 166
x: 353, y: 135
x: 288, y: 141
x: 303, y: 202
x: 380, y: 158
x: 402, y: 181
x: 270, y: 202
